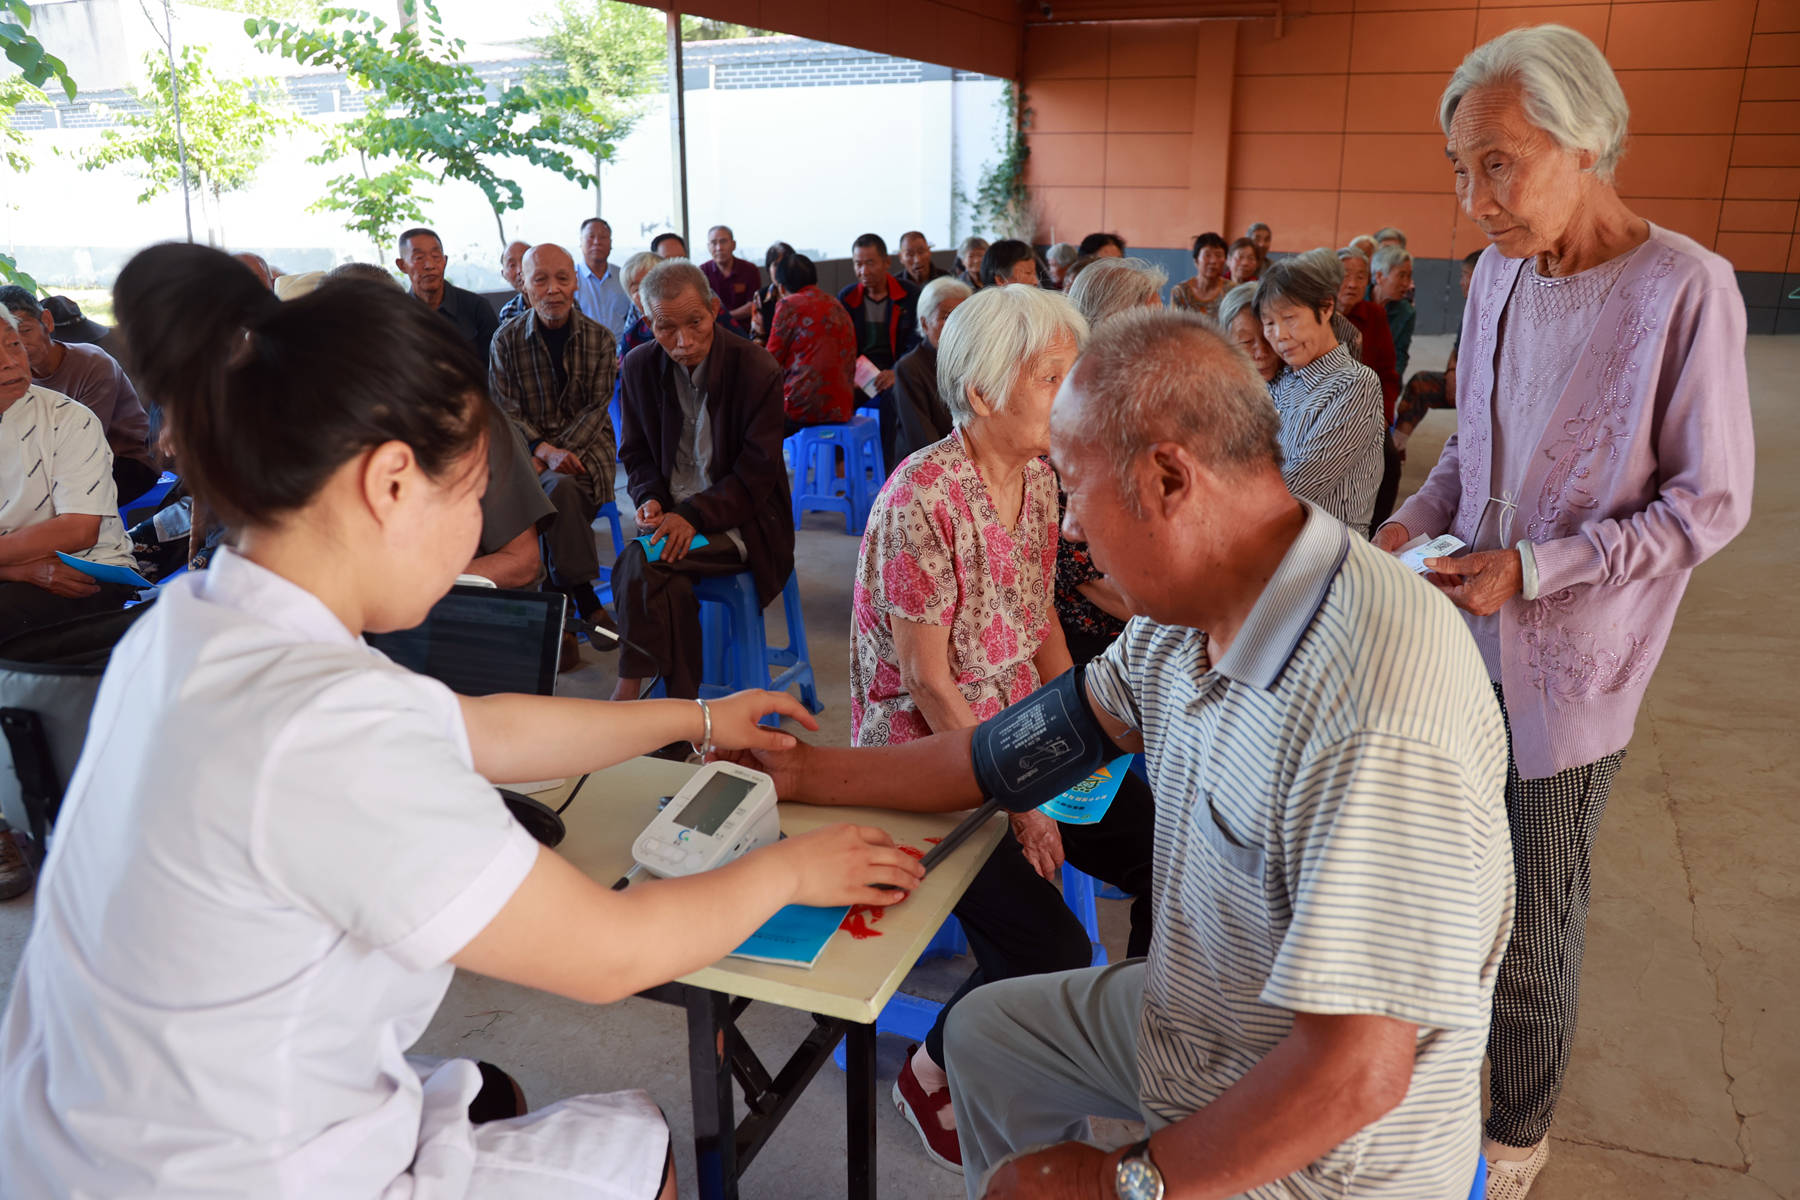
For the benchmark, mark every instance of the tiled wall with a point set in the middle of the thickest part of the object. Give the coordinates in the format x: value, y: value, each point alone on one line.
x: 975, y: 35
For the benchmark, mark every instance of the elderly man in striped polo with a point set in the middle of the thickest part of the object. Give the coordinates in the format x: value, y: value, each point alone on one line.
x: 1333, y: 876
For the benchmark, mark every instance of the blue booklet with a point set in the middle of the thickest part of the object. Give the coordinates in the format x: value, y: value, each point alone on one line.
x: 106, y: 572
x: 1087, y: 801
x: 653, y: 550
x: 793, y: 937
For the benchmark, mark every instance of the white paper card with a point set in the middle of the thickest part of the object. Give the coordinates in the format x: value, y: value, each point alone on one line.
x: 1415, y: 552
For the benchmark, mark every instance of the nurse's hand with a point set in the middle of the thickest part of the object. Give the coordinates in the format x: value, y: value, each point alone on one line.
x: 848, y: 864
x: 734, y: 721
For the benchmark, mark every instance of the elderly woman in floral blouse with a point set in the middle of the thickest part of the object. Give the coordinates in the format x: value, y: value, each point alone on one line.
x: 953, y: 619
x: 1203, y: 292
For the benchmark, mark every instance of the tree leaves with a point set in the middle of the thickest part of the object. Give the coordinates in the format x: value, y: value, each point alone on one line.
x: 37, y: 65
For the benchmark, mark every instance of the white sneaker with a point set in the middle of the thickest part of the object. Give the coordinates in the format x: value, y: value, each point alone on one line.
x: 1511, y: 1180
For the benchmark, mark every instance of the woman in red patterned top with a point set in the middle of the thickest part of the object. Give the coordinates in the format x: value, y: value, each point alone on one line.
x: 813, y: 340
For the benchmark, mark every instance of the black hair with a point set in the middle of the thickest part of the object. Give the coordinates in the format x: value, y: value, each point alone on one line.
x: 1240, y: 244
x: 1094, y: 243
x: 596, y: 221
x: 416, y: 231
x: 1209, y: 241
x: 794, y: 272
x: 16, y: 299
x: 362, y: 270
x: 776, y: 253
x: 1001, y: 257
x: 869, y: 239
x: 265, y: 400
x: 913, y: 233
x: 1470, y: 259
x: 660, y: 238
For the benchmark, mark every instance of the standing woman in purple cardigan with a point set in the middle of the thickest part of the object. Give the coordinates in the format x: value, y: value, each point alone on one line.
x: 1603, y: 450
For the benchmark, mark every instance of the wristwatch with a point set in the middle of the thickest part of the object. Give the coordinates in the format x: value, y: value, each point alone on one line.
x: 1137, y: 1177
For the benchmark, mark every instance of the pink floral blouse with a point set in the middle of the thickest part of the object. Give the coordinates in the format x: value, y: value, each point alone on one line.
x: 935, y: 551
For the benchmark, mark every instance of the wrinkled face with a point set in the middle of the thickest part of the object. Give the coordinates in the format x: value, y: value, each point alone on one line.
x: 1243, y: 264
x: 915, y: 256
x: 683, y: 326
x: 1024, y: 272
x: 1025, y: 421
x: 934, y: 328
x: 972, y: 260
x: 1096, y: 510
x: 1247, y: 335
x: 1394, y: 284
x: 1298, y: 334
x: 1356, y: 283
x: 34, y: 333
x: 671, y: 247
x: 871, y: 265
x: 423, y: 262
x: 1263, y: 238
x: 720, y: 244
x: 512, y: 262
x: 596, y: 246
x: 1513, y: 180
x: 15, y: 366
x: 550, y: 284
x: 1210, y: 263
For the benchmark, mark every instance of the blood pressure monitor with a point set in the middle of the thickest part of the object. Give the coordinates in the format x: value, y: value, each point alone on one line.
x: 723, y: 812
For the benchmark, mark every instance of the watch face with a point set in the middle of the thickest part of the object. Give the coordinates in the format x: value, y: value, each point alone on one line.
x: 1138, y: 1180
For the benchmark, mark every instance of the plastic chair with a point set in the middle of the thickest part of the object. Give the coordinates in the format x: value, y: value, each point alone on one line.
x: 603, y: 582
x: 165, y: 483
x: 737, y: 652
x: 1078, y: 893
x: 818, y: 487
x: 1479, y: 1188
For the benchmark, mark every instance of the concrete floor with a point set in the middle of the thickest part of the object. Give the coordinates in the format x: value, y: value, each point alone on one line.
x: 1685, y: 1082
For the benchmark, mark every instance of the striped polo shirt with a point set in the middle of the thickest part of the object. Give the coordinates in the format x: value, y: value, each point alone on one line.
x: 1332, y: 434
x: 1331, y: 837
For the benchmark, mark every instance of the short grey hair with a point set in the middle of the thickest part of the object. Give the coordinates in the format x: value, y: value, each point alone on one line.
x: 1350, y: 252
x: 1110, y: 286
x: 994, y: 336
x: 1236, y: 301
x: 1569, y: 89
x: 940, y: 292
x: 1310, y: 280
x: 1165, y: 375
x: 1389, y: 258
x: 671, y: 277
x: 969, y: 243
x: 7, y: 318
x: 636, y: 267
x: 1062, y: 254
x: 1390, y: 233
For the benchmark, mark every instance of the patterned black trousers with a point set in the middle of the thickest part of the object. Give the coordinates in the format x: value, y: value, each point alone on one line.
x: 1535, y: 997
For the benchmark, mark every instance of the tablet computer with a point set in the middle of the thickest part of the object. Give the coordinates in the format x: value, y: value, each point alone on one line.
x: 482, y: 640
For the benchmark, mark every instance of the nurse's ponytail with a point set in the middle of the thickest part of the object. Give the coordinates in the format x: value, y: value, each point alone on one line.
x: 265, y: 400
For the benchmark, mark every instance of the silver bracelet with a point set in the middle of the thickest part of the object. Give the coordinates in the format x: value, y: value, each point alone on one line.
x: 704, y: 745
x: 1528, y: 572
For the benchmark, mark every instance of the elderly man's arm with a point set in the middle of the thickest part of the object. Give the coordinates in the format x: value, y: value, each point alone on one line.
x: 70, y: 533
x: 514, y: 565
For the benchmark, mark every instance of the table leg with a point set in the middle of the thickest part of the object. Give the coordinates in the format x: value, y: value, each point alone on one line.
x: 709, y: 1073
x: 859, y: 1109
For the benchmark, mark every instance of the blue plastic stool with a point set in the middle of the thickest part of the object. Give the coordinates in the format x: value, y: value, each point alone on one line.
x: 818, y: 487
x: 737, y: 653
x: 164, y: 484
x: 1479, y: 1189
x: 1078, y: 894
x: 603, y: 582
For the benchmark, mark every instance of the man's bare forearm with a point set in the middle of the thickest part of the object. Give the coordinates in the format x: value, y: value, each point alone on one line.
x: 933, y: 774
x: 71, y: 533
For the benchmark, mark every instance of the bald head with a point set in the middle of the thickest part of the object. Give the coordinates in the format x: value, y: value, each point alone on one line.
x: 259, y: 267
x: 512, y: 264
x: 548, y: 275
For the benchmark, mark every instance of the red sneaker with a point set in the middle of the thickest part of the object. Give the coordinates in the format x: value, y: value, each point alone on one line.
x: 921, y: 1109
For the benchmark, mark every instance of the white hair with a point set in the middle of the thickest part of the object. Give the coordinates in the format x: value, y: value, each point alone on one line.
x: 1236, y: 301
x: 1062, y: 254
x: 6, y: 315
x: 942, y: 292
x: 1350, y: 252
x: 667, y: 280
x: 996, y: 335
x: 636, y: 267
x: 1389, y: 258
x: 1109, y: 286
x: 1569, y: 89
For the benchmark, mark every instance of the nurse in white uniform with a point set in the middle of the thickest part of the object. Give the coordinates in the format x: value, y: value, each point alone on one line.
x: 276, y: 844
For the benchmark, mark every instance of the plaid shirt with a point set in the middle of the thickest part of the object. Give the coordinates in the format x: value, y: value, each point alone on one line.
x: 523, y: 382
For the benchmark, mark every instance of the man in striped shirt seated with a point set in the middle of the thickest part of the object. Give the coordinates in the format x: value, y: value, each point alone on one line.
x: 1333, y: 880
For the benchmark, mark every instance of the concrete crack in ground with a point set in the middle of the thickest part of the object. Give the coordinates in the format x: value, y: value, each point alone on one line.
x: 1721, y: 1010
x: 1594, y: 1143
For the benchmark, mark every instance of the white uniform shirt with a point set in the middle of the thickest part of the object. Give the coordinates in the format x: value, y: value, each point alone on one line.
x: 272, y: 845
x: 54, y: 461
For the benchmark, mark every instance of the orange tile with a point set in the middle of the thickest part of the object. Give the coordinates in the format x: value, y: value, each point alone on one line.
x: 1772, y: 83
x: 1150, y: 105
x: 1146, y: 160
x: 863, y: 25
x: 1769, y: 116
x: 1067, y: 105
x: 1778, y: 16
x: 1585, y: 18
x: 1757, y: 216
x: 1775, y: 50
x: 804, y: 18
x: 1420, y: 41
x: 1766, y: 150
x: 1149, y: 217
x: 1427, y: 220
x: 1289, y: 104
x: 961, y: 29
x: 1675, y: 165
x: 1065, y: 159
x: 1394, y: 103
x: 1763, y: 183
x: 1682, y: 101
x: 1299, y: 220
x: 1793, y: 263
x: 1756, y: 251
x: 1316, y: 45
x: 1065, y: 52
x: 1000, y: 45
x: 1406, y: 5
x: 744, y: 12
x: 1307, y: 161
x: 1686, y: 33
x: 915, y: 30
x: 1141, y: 48
x: 1000, y: 10
x: 1397, y: 162
x: 1066, y: 214
x: 1699, y: 219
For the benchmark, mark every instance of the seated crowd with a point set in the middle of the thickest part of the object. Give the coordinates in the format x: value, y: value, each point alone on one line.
x: 1357, y: 845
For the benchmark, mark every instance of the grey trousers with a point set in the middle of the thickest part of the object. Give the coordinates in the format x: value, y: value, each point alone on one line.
x: 569, y: 542
x: 1031, y: 1059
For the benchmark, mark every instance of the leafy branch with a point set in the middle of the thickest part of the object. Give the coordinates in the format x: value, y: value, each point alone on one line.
x: 1002, y: 202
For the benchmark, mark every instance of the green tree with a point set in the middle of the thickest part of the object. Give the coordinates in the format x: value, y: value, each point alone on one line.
x: 227, y: 125
x: 428, y: 116
x: 609, y: 53
x: 1002, y: 201
x: 37, y: 67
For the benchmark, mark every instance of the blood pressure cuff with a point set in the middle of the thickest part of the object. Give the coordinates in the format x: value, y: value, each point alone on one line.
x: 1040, y: 747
